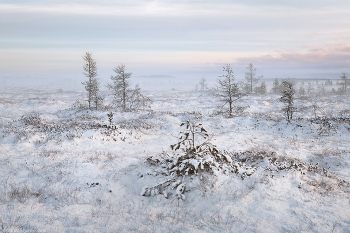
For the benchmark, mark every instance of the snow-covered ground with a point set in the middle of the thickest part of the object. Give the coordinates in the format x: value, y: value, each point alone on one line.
x: 61, y: 171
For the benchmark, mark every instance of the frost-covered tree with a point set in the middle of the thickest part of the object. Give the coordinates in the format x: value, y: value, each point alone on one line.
x: 227, y: 90
x: 251, y: 78
x: 136, y: 100
x: 276, y: 87
x: 96, y: 96
x: 321, y: 90
x: 310, y: 89
x: 315, y: 107
x: 302, y: 91
x: 203, y: 84
x: 329, y: 82
x: 261, y: 90
x: 344, y: 82
x: 120, y: 86
x: 287, y: 97
x: 92, y: 84
x: 194, y: 157
x: 126, y: 98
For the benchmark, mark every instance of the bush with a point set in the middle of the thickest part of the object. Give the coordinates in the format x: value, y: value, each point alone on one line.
x: 33, y: 119
x: 196, y: 156
x: 78, y: 105
x: 198, y: 164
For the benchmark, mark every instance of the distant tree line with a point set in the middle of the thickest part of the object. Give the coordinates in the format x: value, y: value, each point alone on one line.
x: 318, y: 89
x: 227, y: 90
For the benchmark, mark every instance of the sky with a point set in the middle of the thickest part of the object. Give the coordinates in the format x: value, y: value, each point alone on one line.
x: 177, y: 38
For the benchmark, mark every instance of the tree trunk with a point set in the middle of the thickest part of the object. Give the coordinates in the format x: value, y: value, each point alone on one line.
x: 345, y: 85
x: 251, y: 85
x: 124, y: 96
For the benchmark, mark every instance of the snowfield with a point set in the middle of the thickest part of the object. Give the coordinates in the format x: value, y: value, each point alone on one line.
x: 63, y: 170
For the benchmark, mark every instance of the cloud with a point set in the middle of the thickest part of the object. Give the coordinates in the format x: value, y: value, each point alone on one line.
x: 178, y: 8
x: 251, y: 29
x: 318, y: 62
x: 181, y: 34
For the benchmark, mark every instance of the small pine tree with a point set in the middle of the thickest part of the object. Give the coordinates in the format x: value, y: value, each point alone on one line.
x: 314, y: 107
x: 136, y: 100
x: 345, y: 82
x: 321, y: 90
x: 126, y: 98
x: 227, y: 90
x: 310, y: 89
x: 276, y: 87
x: 203, y: 85
x: 261, y: 90
x: 96, y: 97
x: 250, y: 77
x: 110, y: 118
x: 329, y: 82
x: 91, y: 85
x: 287, y: 98
x: 120, y: 86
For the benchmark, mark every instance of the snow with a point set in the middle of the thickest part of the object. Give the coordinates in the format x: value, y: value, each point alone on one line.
x: 74, y: 176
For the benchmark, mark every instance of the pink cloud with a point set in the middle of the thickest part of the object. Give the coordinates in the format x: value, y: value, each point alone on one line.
x: 336, y: 55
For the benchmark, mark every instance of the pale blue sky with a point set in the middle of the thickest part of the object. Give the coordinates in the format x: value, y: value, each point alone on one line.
x: 179, y: 38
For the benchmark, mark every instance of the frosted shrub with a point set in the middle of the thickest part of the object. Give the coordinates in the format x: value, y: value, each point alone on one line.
x: 195, y: 156
x: 33, y: 119
x: 78, y: 105
x: 196, y: 164
x: 329, y: 125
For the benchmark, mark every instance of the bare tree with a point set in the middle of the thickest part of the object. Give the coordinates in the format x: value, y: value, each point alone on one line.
x: 91, y: 85
x: 227, y: 90
x: 287, y: 98
x: 120, y: 86
x: 344, y: 82
x: 250, y: 77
